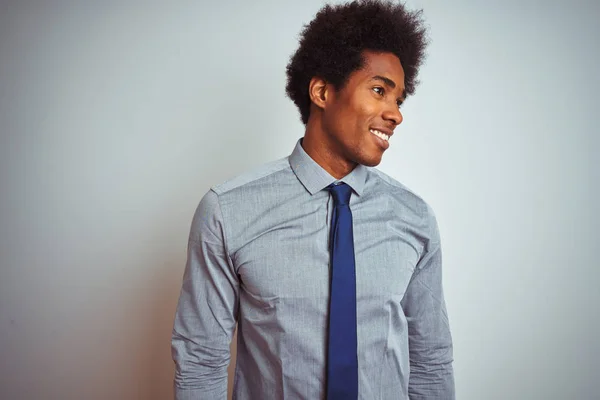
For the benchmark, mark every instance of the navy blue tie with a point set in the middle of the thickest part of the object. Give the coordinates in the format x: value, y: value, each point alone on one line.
x: 342, y: 362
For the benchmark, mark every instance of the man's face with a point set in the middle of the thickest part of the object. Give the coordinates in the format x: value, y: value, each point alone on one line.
x: 369, y: 101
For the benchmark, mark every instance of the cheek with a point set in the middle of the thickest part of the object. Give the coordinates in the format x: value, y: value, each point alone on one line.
x: 364, y: 114
x: 352, y: 117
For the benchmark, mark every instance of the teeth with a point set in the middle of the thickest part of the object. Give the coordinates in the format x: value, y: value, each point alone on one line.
x: 379, y: 134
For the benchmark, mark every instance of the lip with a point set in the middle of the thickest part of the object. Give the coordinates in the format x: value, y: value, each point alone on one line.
x: 384, y: 144
x: 387, y: 131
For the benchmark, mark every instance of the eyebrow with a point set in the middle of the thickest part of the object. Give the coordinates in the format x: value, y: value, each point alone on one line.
x: 390, y: 83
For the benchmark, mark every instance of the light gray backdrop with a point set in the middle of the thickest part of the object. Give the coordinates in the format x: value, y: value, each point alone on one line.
x: 116, y: 117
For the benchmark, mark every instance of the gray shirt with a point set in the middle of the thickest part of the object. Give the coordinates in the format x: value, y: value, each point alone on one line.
x: 258, y: 255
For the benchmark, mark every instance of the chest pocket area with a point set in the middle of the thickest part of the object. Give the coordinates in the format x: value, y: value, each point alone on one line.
x: 385, y: 267
x: 276, y: 270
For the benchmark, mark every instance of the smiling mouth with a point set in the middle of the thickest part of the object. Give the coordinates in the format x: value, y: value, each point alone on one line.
x: 379, y: 134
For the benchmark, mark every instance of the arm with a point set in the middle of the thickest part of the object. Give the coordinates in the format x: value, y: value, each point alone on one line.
x: 207, y: 309
x: 429, y: 338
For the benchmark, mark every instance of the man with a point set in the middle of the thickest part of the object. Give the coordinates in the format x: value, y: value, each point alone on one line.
x: 331, y: 269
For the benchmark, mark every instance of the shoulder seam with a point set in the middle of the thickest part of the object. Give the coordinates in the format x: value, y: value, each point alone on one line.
x: 225, y: 235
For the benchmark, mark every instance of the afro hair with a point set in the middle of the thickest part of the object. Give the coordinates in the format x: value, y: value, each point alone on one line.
x: 332, y: 45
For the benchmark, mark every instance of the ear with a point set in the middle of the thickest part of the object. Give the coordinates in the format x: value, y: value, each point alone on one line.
x: 319, y: 90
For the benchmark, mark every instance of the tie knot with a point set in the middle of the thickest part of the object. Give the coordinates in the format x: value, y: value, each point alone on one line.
x: 341, y: 193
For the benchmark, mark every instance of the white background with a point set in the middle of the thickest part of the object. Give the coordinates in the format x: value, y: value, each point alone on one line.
x: 116, y: 117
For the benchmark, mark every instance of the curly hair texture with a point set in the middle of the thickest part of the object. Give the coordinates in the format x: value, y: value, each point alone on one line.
x: 331, y: 45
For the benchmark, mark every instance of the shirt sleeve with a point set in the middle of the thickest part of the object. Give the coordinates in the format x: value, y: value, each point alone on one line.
x: 430, y: 341
x: 207, y: 310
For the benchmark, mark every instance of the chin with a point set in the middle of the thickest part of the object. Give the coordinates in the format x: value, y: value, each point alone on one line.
x: 370, y: 162
x: 373, y: 154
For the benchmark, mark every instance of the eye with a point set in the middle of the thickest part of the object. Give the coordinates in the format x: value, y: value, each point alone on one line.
x: 399, y: 103
x: 379, y: 90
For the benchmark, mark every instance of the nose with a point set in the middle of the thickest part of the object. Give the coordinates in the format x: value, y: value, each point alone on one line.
x: 392, y: 114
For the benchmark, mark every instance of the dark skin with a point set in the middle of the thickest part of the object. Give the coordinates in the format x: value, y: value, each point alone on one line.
x: 337, y: 134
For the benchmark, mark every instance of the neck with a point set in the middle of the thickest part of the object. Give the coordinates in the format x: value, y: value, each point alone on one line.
x: 324, y: 151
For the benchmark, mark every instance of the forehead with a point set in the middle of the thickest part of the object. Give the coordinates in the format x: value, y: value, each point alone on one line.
x: 382, y: 64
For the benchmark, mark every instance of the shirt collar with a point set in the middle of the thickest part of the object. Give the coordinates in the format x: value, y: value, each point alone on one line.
x: 315, y: 178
